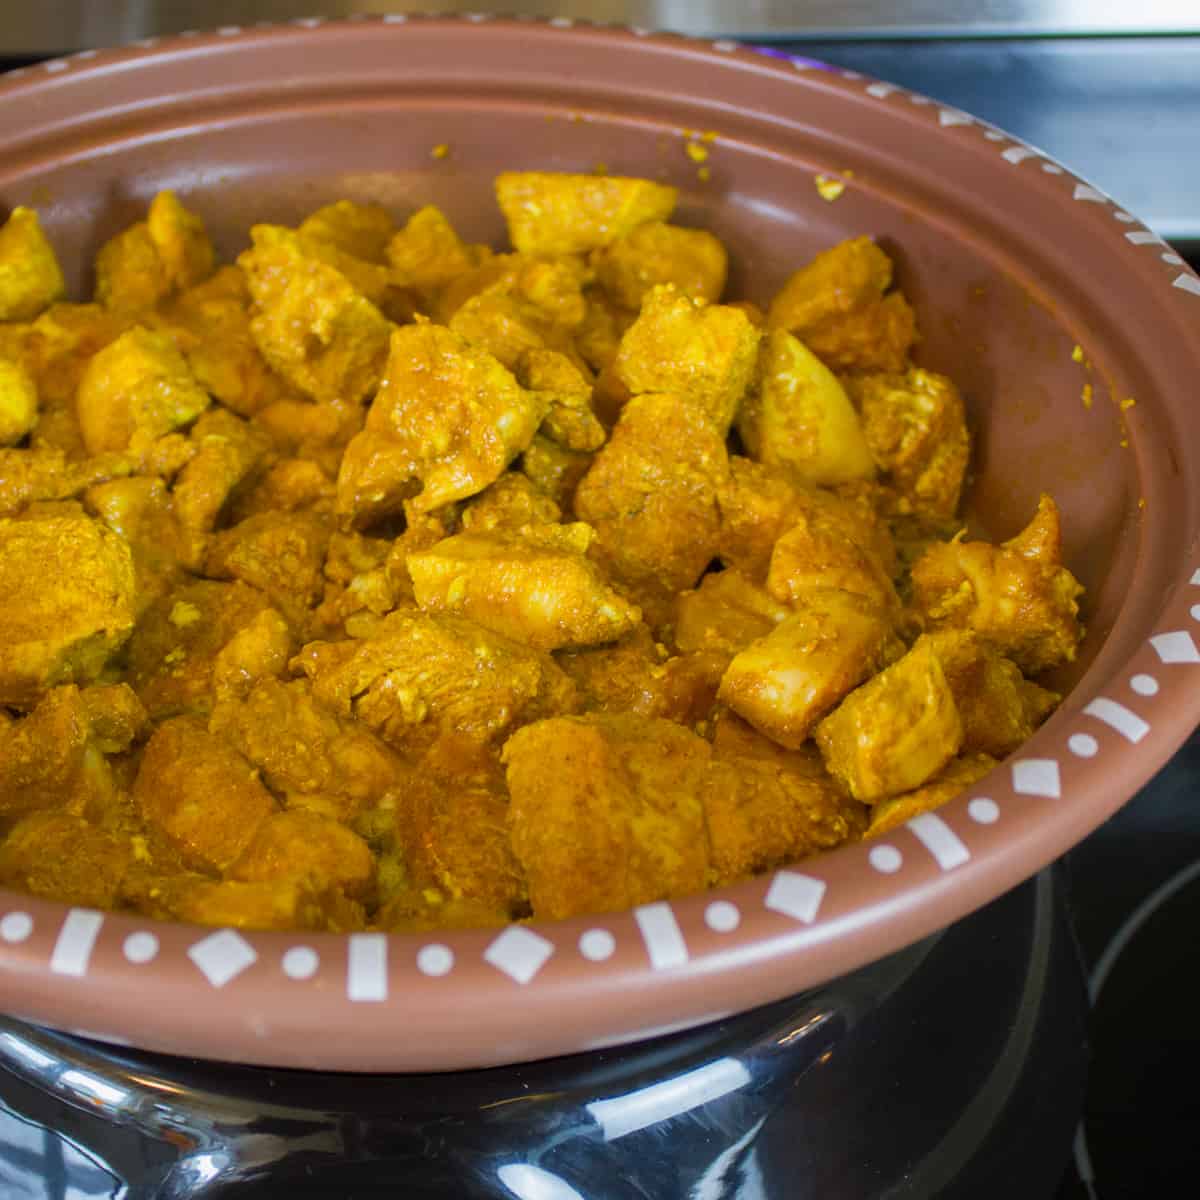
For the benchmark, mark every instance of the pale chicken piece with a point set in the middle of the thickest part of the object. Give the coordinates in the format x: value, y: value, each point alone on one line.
x: 30, y: 277
x: 287, y: 485
x: 785, y: 682
x: 427, y: 253
x: 311, y: 324
x: 916, y: 427
x: 264, y: 904
x: 447, y: 421
x: 68, y: 603
x: 229, y: 451
x: 555, y: 470
x: 958, y: 775
x: 319, y: 433
x: 134, y: 391
x: 261, y: 650
x: 1018, y: 595
x: 181, y: 240
x: 63, y: 857
x: 604, y: 323
x: 58, y: 347
x: 896, y: 731
x: 654, y: 253
x: 420, y: 675
x: 36, y: 476
x: 201, y: 794
x: 559, y: 213
x: 19, y: 402
x: 569, y: 421
x: 706, y: 352
x: 307, y: 846
x: 837, y: 307
x: 606, y: 812
x: 511, y: 503
x: 725, y: 614
x: 115, y: 716
x: 536, y: 587
x: 651, y: 494
x: 363, y: 230
x: 797, y: 415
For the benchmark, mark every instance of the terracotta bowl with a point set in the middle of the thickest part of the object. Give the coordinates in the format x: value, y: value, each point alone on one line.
x: 1011, y: 262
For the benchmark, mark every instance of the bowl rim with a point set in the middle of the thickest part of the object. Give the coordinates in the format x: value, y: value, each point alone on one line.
x: 388, y: 1001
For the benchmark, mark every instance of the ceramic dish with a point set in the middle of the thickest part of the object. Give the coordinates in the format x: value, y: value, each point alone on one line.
x: 1011, y: 263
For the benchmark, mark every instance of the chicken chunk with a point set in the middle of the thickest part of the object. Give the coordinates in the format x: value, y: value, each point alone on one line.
x: 201, y: 794
x: 606, y: 812
x: 555, y: 470
x: 537, y: 588
x: 705, y: 352
x: 229, y: 452
x: 265, y: 904
x: 896, y: 731
x: 181, y: 240
x: 654, y: 253
x: 916, y: 427
x: 1018, y: 595
x: 958, y: 775
x: 362, y: 230
x: 511, y: 503
x: 446, y: 423
x: 58, y: 348
x: 68, y: 603
x: 63, y: 857
x: 569, y: 420
x: 651, y: 494
x: 30, y: 277
x: 785, y: 682
x: 797, y: 415
x: 604, y: 323
x: 260, y: 650
x: 552, y: 213
x: 427, y: 253
x: 135, y: 390
x: 18, y: 402
x: 725, y: 614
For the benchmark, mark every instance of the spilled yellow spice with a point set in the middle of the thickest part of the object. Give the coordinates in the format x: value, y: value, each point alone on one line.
x: 709, y: 135
x: 704, y: 174
x: 1087, y: 395
x: 1127, y: 403
x: 1141, y: 502
x: 829, y: 188
x: 1077, y: 353
x: 696, y: 152
x: 440, y: 150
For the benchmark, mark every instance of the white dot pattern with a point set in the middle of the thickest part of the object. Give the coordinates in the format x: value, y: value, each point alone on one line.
x: 1144, y: 685
x: 16, y: 926
x: 597, y: 944
x: 435, y: 959
x: 1083, y: 745
x: 983, y: 810
x: 722, y: 916
x: 886, y: 859
x: 300, y: 962
x: 140, y: 947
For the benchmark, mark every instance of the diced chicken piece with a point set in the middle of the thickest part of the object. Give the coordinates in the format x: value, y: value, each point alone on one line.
x: 261, y: 650
x: 268, y: 904
x: 1018, y: 595
x: 312, y: 325
x: 177, y: 639
x: 201, y: 794
x: 59, y: 346
x: 570, y: 421
x: 68, y: 589
x: 555, y: 470
x: 30, y: 277
x: 725, y: 614
x: 371, y: 280
x: 362, y: 230
x: 19, y: 402
x: 288, y: 485
x: 65, y: 858
x: 310, y: 757
x: 896, y: 731
x: 33, y: 476
x: 303, y: 845
x: 958, y: 775
x: 427, y: 254
x: 916, y: 427
x: 651, y: 494
x: 420, y: 675
x: 837, y: 307
x: 319, y: 433
x: 784, y: 683
x: 606, y: 812
x: 115, y: 717
x: 511, y: 503
x: 135, y: 390
x: 181, y: 240
x: 798, y: 415
x: 447, y: 421
x: 229, y: 451
x: 537, y: 588
x: 604, y: 323
x: 705, y: 352
x: 282, y: 554
x: 550, y: 213
x: 654, y: 253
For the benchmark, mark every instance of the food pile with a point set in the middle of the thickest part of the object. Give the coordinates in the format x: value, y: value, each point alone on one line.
x: 383, y: 580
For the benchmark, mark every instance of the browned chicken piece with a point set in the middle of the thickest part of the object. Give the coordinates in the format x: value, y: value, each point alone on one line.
x: 308, y: 756
x: 837, y: 307
x: 554, y: 213
x: 363, y: 230
x: 65, y: 858
x: 260, y: 650
x: 999, y: 707
x: 317, y: 432
x: 797, y: 415
x: 427, y: 254
x: 229, y: 452
x: 176, y: 641
x: 279, y: 553
x: 266, y: 904
x: 785, y: 682
x: 114, y: 715
x: 651, y: 494
x: 604, y: 323
x: 201, y: 794
x: 725, y: 614
x: 705, y: 352
x: 30, y: 277
x: 302, y: 845
x: 555, y: 470
x: 447, y: 421
x: 1018, y: 595
x: 536, y: 587
x: 916, y: 427
x: 135, y: 390
x: 287, y: 485
x: 420, y: 675
x: 311, y: 324
x: 19, y: 402
x: 511, y: 503
x: 958, y: 775
x: 569, y: 421
x: 371, y: 280
x: 68, y: 588
x: 606, y: 812
x: 896, y: 731
x: 654, y: 253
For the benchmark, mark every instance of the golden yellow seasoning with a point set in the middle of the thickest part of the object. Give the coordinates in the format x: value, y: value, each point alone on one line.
x: 829, y: 188
x: 441, y: 150
x: 696, y: 152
